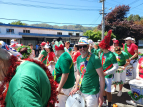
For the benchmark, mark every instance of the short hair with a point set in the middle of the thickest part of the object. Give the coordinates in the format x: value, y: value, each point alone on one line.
x: 77, y: 47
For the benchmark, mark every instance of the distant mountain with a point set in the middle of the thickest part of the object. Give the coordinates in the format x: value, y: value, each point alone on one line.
x: 71, y: 27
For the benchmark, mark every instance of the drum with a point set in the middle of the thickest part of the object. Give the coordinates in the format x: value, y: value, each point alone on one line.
x: 75, y: 101
x: 129, y: 73
x: 119, y: 74
x: 136, y: 93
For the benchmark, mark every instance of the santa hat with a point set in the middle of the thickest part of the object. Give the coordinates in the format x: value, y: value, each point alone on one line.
x: 59, y: 45
x: 43, y: 44
x: 105, y: 43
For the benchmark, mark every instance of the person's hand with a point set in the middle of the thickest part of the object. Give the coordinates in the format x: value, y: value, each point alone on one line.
x: 58, y: 90
x: 138, y: 78
x: 73, y: 91
x: 100, y: 100
x: 104, y: 73
x: 124, y: 68
x: 52, y: 63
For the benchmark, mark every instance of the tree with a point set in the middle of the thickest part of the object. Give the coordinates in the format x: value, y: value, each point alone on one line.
x: 18, y: 23
x: 123, y: 28
x: 96, y: 35
x: 118, y: 13
x: 134, y: 18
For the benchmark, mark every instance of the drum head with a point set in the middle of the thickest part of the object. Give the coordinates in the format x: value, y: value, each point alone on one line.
x: 137, y: 83
x: 75, y: 101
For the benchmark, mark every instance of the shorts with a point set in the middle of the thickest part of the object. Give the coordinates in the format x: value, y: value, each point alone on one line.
x: 108, y: 82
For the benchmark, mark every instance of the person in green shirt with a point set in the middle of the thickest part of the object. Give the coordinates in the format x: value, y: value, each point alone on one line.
x: 123, y: 60
x: 30, y: 85
x: 91, y: 88
x: 63, y: 73
x: 67, y: 47
x: 97, y: 50
x: 43, y: 55
x: 109, y: 64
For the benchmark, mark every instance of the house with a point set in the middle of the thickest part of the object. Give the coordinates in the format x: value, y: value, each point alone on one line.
x: 34, y: 35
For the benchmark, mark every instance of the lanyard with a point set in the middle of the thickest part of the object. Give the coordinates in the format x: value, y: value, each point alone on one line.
x: 84, y: 70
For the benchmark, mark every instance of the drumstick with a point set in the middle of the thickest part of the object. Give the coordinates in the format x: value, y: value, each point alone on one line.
x: 63, y: 94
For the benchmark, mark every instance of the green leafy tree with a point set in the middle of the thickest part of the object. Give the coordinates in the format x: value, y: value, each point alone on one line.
x: 96, y: 35
x: 18, y: 23
x: 134, y: 18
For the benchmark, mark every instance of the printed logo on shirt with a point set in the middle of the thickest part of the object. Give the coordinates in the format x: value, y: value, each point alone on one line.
x: 118, y: 58
x: 104, y: 59
x: 82, y: 67
x: 127, y: 48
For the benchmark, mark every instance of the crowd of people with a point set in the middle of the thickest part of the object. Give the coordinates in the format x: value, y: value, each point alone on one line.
x: 89, y: 69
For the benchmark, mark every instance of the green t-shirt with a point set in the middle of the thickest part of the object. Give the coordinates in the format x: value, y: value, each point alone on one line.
x: 67, y: 50
x: 45, y: 54
x: 96, y: 51
x: 90, y: 82
x: 65, y: 65
x: 30, y: 87
x: 121, y: 59
x: 92, y: 50
x: 109, y: 58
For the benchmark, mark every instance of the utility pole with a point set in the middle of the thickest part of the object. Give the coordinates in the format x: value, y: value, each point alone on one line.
x: 103, y: 20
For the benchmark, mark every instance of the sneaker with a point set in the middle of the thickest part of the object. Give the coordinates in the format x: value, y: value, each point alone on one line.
x: 131, y: 102
x: 104, y: 103
x: 119, y: 93
x: 113, y: 90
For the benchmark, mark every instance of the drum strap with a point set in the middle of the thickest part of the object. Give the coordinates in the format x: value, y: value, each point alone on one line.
x: 84, y: 70
x: 44, y: 59
x: 108, y: 66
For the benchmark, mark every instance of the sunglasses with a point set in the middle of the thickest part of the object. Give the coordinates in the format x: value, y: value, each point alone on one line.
x: 84, y: 46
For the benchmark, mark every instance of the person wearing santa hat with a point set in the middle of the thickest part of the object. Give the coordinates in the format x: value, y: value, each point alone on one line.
x: 43, y: 55
x: 115, y: 44
x: 63, y: 73
x: 109, y: 64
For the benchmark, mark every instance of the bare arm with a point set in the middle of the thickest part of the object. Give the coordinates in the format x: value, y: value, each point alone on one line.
x: 127, y: 62
x: 40, y: 57
x: 135, y: 55
x: 102, y: 80
x: 63, y: 81
x: 34, y: 53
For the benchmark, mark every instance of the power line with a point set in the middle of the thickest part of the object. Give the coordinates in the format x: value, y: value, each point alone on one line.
x: 47, y: 22
x: 47, y: 7
x: 133, y: 2
x: 136, y: 6
x: 56, y: 3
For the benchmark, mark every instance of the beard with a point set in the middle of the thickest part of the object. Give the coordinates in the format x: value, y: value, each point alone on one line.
x: 83, y: 53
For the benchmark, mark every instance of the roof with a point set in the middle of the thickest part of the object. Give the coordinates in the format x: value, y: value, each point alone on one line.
x: 24, y: 26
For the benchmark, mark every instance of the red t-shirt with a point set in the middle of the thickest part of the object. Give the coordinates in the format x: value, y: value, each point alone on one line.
x: 141, y: 67
x: 51, y: 56
x: 75, y: 55
x: 131, y: 48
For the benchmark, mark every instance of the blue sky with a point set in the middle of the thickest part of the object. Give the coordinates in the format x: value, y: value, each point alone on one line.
x: 63, y: 14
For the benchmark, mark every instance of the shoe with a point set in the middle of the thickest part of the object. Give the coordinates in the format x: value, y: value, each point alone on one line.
x: 104, y: 103
x: 131, y: 102
x: 113, y: 90
x: 119, y: 93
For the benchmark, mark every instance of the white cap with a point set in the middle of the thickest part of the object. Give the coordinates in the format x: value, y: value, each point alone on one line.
x: 128, y: 38
x: 99, y: 40
x: 90, y: 41
x: 133, y: 39
x: 83, y: 41
x: 114, y: 39
x: 46, y: 46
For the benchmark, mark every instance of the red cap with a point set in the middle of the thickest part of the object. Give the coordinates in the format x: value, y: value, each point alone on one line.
x: 116, y: 41
x: 43, y: 44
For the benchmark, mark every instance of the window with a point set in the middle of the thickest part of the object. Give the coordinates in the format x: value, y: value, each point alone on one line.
x: 59, y: 33
x: 26, y: 31
x: 70, y: 34
x: 9, y: 30
x: 77, y: 34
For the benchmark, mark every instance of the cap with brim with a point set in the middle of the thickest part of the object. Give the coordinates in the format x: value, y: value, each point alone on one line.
x: 83, y: 41
x: 46, y: 46
x: 113, y: 39
x: 128, y: 38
